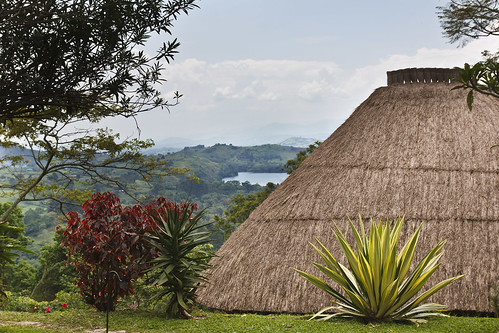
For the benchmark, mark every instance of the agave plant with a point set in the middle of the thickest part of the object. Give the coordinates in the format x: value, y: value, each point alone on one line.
x: 378, y: 285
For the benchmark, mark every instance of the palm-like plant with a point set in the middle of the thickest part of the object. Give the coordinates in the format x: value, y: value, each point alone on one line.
x: 378, y: 285
x: 181, y: 260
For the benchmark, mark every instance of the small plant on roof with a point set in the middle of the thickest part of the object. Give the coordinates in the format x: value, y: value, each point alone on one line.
x: 378, y: 284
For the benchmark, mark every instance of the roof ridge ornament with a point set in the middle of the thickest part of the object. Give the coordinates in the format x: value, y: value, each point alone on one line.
x: 421, y: 75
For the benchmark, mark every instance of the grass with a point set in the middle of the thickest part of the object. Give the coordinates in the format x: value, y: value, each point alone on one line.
x: 152, y: 322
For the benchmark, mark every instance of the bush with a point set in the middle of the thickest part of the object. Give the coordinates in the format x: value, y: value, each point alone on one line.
x: 73, y: 300
x: 20, y: 303
x: 8, y: 248
x: 108, y: 247
x: 54, y: 273
x: 63, y: 301
x: 378, y: 286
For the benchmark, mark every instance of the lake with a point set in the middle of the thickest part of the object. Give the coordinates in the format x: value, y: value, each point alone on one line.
x: 258, y: 178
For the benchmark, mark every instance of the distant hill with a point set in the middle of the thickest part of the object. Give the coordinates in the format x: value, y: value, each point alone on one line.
x: 298, y: 142
x: 209, y: 164
x: 26, y: 153
x: 221, y: 160
x: 161, y: 150
x: 173, y: 145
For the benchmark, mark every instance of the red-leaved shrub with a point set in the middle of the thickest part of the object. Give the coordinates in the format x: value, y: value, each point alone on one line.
x: 108, y: 247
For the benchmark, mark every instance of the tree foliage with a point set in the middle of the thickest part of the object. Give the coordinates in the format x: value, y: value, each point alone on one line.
x: 12, y: 239
x: 15, y: 220
x: 8, y: 248
x: 72, y: 158
x: 292, y: 165
x: 20, y: 277
x: 241, y: 206
x: 62, y: 57
x: 482, y: 77
x: 108, y: 248
x: 13, y: 276
x: 55, y: 273
x: 465, y: 20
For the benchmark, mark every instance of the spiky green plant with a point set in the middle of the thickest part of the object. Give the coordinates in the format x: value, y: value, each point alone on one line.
x: 378, y: 285
x: 181, y: 260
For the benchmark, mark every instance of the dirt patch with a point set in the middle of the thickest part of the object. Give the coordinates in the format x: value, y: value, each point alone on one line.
x: 102, y: 330
x: 38, y: 324
x: 23, y: 323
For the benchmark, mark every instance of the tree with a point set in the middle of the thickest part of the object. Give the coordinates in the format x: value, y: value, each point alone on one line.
x: 108, y: 248
x: 54, y: 273
x: 61, y: 57
x: 292, y: 165
x: 241, y: 207
x: 20, y: 277
x: 69, y: 161
x: 465, y: 20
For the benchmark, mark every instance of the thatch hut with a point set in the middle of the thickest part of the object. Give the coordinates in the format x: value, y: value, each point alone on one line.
x: 412, y: 148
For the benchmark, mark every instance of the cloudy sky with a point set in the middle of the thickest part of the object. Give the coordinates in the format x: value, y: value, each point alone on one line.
x: 260, y: 71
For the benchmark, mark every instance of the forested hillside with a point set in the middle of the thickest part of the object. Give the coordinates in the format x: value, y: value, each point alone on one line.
x: 207, y: 165
x: 221, y: 160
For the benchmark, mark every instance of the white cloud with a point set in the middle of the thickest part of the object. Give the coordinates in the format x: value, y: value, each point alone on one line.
x: 252, y: 97
x: 365, y: 79
x: 251, y: 79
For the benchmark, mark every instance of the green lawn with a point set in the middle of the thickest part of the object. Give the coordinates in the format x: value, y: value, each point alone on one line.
x: 141, y: 321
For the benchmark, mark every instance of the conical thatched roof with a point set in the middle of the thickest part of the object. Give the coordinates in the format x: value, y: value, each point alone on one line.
x: 412, y: 149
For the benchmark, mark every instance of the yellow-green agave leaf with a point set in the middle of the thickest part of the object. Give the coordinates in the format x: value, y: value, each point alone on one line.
x: 377, y: 284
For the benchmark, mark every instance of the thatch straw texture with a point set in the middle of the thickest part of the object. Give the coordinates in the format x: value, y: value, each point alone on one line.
x: 409, y: 149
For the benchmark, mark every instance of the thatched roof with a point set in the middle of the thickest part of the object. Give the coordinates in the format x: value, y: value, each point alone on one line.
x: 410, y: 149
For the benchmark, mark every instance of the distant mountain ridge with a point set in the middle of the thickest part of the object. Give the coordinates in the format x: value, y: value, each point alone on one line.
x: 165, y: 147
x: 298, y: 142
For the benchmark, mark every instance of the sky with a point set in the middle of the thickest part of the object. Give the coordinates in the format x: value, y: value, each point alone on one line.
x: 260, y: 71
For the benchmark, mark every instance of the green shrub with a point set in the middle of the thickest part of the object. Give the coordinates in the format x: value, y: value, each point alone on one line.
x: 63, y: 301
x: 21, y: 303
x: 143, y: 297
x: 378, y: 286
x: 73, y: 300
